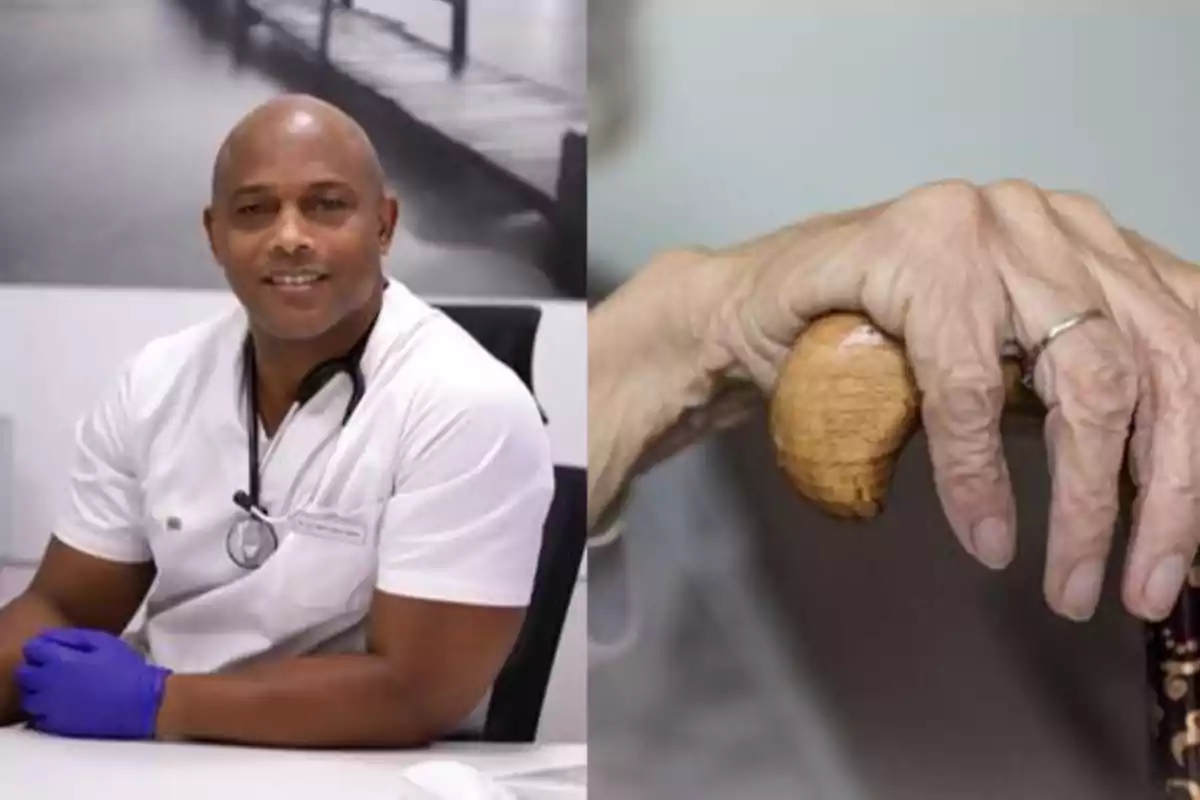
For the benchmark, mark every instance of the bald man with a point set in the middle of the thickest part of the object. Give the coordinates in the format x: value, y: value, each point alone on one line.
x: 330, y: 499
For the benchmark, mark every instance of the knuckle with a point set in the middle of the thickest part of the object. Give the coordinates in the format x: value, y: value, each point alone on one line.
x: 1081, y: 206
x: 1082, y: 520
x: 950, y: 204
x: 1102, y: 392
x: 1091, y: 221
x: 965, y: 406
x: 1123, y: 388
x: 1175, y: 361
x: 1015, y: 193
x: 1024, y: 214
x: 935, y: 232
x: 1117, y: 376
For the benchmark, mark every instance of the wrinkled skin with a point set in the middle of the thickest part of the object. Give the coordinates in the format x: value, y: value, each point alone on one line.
x: 956, y: 271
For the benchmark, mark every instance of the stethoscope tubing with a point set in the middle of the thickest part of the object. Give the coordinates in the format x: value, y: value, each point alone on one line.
x: 250, y: 499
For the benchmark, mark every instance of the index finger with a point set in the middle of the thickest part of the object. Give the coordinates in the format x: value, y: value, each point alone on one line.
x: 39, y: 651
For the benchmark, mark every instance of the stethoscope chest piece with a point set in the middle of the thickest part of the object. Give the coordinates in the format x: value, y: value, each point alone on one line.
x: 251, y: 542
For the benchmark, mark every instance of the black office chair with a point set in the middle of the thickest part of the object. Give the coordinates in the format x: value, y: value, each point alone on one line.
x: 507, y: 332
x: 515, y: 708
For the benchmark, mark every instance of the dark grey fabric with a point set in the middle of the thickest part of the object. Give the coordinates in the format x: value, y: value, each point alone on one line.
x: 785, y: 654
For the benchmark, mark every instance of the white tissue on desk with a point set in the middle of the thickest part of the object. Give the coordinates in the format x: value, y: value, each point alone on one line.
x: 453, y: 780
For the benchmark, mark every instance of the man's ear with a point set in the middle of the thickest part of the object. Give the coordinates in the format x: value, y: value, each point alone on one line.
x: 208, y: 231
x: 389, y: 214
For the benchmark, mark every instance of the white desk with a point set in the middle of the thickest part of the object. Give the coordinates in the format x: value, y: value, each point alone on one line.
x: 38, y: 767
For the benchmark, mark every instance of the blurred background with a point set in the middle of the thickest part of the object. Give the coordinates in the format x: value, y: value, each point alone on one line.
x: 782, y: 654
x: 111, y: 113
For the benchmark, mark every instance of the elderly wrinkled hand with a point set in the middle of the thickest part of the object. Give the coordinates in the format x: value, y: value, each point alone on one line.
x: 959, y: 273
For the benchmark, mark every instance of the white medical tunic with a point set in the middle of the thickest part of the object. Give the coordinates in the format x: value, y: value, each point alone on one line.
x: 436, y: 488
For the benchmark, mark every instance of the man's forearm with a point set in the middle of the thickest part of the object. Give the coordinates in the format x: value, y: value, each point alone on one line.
x: 22, y: 619
x: 314, y: 701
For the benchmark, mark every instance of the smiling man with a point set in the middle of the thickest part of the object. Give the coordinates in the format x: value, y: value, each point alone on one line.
x: 331, y: 499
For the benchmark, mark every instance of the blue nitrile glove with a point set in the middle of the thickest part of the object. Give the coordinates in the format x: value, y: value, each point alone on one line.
x: 89, y: 684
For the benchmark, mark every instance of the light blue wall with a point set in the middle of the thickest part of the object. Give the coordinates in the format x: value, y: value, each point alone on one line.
x: 750, y: 119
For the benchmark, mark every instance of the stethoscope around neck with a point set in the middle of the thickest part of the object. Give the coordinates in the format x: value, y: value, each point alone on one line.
x: 253, y: 539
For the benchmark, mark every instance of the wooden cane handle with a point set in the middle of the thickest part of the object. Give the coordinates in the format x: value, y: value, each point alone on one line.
x: 845, y: 404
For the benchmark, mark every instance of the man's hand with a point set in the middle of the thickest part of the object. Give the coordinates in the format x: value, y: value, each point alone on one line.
x: 70, y: 589
x: 958, y: 272
x: 90, y: 684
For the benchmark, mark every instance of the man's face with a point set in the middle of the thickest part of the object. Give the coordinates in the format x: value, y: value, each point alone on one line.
x: 299, y: 226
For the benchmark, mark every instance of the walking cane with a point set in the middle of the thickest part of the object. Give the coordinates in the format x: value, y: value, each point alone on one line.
x: 843, y: 408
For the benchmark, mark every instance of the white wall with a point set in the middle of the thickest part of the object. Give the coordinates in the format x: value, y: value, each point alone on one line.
x: 58, y: 346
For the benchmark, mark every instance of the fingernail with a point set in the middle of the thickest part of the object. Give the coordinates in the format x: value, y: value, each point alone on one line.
x: 1081, y: 592
x: 1162, y: 588
x: 993, y: 545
